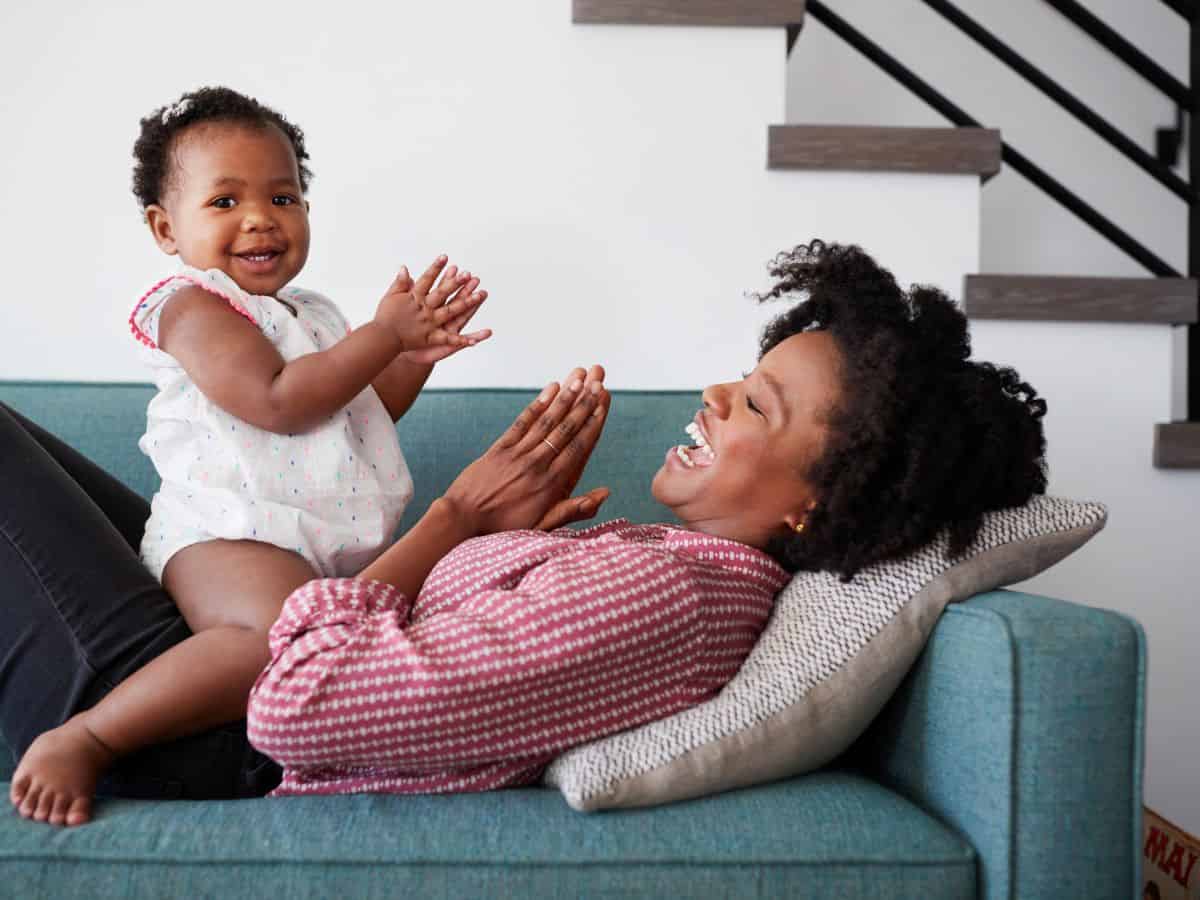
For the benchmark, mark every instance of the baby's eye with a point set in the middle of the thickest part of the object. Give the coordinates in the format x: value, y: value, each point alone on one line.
x: 283, y: 200
x: 223, y: 203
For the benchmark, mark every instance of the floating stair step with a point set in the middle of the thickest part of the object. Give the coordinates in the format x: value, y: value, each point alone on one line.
x: 687, y: 12
x: 943, y: 151
x: 1177, y: 445
x: 1166, y: 301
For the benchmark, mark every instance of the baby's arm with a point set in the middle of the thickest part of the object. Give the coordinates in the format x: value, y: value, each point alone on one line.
x: 234, y: 365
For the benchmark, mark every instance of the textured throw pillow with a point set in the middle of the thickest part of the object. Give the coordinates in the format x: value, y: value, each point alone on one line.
x: 829, y: 659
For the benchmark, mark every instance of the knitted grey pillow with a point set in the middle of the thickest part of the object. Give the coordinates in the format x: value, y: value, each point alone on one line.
x: 830, y: 657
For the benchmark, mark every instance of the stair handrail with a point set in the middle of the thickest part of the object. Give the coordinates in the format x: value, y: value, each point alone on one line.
x: 1040, y: 177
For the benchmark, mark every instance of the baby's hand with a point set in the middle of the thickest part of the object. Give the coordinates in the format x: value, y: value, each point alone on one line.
x: 428, y: 319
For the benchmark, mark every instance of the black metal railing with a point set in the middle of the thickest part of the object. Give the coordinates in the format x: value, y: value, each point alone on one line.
x: 1186, y: 97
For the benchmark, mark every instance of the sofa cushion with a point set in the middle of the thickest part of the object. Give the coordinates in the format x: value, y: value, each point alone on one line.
x: 830, y: 657
x: 833, y: 834
x: 441, y: 434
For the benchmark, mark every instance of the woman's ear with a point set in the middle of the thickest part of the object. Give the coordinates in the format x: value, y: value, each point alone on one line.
x: 160, y: 226
x: 796, y: 521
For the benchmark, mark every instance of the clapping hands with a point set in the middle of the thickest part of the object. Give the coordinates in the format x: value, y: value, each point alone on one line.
x: 428, y: 318
x: 526, y: 478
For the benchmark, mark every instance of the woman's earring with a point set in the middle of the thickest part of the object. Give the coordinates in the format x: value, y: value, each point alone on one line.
x: 799, y: 527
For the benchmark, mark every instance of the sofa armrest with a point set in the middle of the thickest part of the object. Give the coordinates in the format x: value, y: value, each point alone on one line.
x: 1021, y: 725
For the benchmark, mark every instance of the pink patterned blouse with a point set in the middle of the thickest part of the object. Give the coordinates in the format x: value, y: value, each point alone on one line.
x: 519, y: 646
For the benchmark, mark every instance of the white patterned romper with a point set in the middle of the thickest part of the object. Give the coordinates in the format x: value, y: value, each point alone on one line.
x: 334, y: 494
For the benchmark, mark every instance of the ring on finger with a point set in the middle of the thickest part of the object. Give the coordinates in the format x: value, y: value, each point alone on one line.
x: 547, y: 442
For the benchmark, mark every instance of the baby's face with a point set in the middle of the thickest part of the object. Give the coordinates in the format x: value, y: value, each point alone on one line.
x: 233, y: 202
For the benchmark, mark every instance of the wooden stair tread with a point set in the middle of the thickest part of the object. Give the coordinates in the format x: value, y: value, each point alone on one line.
x: 944, y: 151
x: 1177, y: 445
x: 1169, y: 301
x: 687, y: 12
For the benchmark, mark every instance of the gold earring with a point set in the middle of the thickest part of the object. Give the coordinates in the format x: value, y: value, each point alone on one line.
x: 799, y: 527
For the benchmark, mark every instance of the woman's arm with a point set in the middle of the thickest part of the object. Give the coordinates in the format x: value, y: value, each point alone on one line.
x: 522, y: 481
x: 597, y: 643
x: 331, y: 627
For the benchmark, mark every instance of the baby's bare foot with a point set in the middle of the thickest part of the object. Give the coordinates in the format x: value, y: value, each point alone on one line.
x: 57, y: 775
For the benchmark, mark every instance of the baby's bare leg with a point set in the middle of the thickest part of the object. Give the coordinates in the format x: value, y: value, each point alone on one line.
x: 230, y: 593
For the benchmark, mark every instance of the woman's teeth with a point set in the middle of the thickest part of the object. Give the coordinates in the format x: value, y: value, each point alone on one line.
x: 701, y: 455
x: 682, y: 454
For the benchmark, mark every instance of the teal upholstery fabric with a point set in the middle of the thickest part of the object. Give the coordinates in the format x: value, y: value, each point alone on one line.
x: 443, y: 432
x: 1007, y: 766
x: 834, y: 835
x: 1015, y: 728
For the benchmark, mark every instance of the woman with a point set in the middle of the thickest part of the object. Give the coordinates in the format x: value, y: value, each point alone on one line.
x: 862, y: 432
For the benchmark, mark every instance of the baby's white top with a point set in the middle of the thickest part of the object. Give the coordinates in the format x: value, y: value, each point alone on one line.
x: 334, y: 494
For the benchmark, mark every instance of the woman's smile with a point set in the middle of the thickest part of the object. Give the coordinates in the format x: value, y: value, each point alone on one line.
x: 697, y: 455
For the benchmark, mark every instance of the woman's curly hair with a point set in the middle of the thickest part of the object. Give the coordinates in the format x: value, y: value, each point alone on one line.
x: 922, y: 439
x: 160, y: 130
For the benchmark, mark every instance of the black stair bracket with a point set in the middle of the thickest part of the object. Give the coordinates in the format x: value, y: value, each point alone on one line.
x: 1034, y: 173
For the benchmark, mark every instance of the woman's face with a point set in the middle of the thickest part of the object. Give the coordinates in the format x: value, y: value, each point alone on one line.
x: 763, y: 433
x: 233, y: 203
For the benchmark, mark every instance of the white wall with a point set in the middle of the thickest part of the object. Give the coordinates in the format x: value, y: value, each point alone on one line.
x: 1107, y: 385
x: 608, y: 183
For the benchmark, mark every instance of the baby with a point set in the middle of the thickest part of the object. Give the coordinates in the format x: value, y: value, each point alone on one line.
x: 272, y: 429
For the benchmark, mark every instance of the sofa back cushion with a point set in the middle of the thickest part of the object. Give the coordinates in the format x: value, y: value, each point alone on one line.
x: 444, y: 431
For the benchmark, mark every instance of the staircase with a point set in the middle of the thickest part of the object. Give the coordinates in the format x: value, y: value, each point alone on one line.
x: 1166, y: 300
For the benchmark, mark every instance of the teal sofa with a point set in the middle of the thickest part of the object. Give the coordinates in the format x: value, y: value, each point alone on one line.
x: 1008, y: 765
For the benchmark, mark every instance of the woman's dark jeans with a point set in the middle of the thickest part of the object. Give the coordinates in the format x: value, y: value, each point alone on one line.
x: 79, y: 613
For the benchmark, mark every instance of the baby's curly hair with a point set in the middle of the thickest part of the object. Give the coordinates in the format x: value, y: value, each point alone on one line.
x: 160, y: 130
x: 921, y: 439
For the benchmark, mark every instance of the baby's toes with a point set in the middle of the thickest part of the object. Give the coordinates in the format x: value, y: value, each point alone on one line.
x: 30, y: 802
x: 80, y: 811
x: 45, y: 804
x: 18, y: 789
x: 58, y: 814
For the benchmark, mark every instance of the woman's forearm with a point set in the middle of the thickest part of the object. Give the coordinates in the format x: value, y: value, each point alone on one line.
x: 406, y: 563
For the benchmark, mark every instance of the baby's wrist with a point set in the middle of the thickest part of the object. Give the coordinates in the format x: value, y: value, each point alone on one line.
x: 396, y: 340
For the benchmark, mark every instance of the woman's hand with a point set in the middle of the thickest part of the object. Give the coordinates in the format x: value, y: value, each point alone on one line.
x: 525, y: 479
